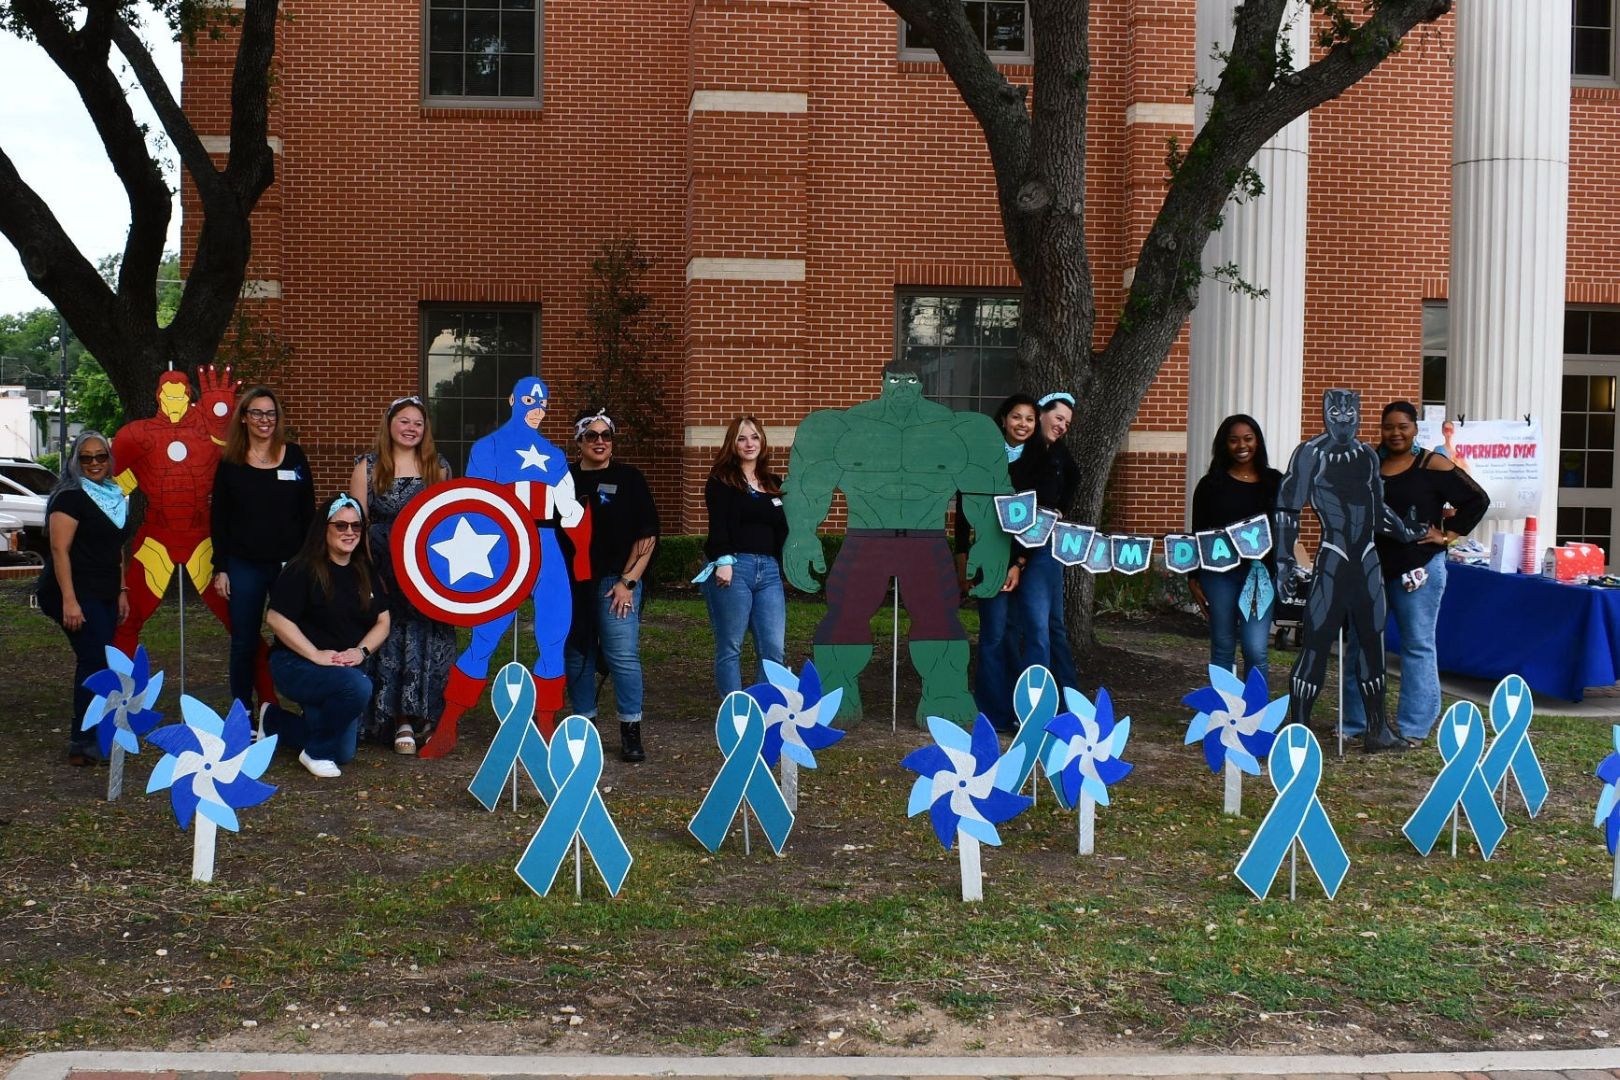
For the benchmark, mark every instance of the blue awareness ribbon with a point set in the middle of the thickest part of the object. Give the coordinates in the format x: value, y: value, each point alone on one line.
x: 512, y: 694
x: 1257, y: 592
x: 1461, y: 739
x: 574, y: 761
x: 739, y: 728
x: 1512, y: 709
x: 708, y: 569
x: 1295, y: 764
x: 1035, y: 703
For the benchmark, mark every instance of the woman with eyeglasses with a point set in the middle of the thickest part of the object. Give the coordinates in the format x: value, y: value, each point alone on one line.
x: 264, y: 501
x: 1038, y: 601
x: 607, y: 604
x: 742, y: 584
x: 328, y: 617
x: 413, y: 664
x: 82, y: 583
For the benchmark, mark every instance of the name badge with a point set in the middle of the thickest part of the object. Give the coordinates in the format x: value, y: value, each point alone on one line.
x: 610, y: 489
x: 286, y: 474
x: 776, y: 501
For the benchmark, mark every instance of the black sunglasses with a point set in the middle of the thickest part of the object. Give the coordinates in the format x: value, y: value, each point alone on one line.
x: 597, y: 436
x: 94, y: 459
x: 345, y: 526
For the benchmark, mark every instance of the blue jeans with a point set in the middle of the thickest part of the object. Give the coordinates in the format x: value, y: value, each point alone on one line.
x: 1416, y: 614
x: 617, y: 639
x: 993, y: 678
x: 754, y: 600
x: 89, y: 643
x: 333, y: 699
x: 250, y: 585
x: 1228, y: 627
x: 1038, y: 614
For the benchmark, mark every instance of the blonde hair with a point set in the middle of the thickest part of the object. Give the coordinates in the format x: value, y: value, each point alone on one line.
x: 427, y: 455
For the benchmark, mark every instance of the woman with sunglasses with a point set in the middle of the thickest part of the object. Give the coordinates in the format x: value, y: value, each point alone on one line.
x: 1038, y: 601
x: 607, y: 604
x: 413, y: 664
x: 82, y: 583
x: 264, y: 501
x: 328, y: 619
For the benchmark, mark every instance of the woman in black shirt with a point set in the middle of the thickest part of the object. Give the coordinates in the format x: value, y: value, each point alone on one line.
x: 1038, y: 602
x: 607, y: 604
x: 328, y: 619
x: 82, y: 583
x: 742, y: 584
x: 1240, y: 484
x: 264, y: 500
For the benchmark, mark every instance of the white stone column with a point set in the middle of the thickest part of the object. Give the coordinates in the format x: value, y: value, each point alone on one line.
x: 1509, y: 219
x: 1247, y: 355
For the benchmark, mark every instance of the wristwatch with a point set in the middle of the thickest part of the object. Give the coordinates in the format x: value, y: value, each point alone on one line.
x: 365, y: 652
x: 627, y: 581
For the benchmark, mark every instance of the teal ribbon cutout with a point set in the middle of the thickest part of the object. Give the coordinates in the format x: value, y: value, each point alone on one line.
x: 708, y: 569
x: 515, y: 740
x: 1035, y: 702
x: 576, y: 810
x: 1297, y: 814
x: 1257, y: 592
x: 1511, y: 751
x: 1460, y: 782
x: 743, y: 775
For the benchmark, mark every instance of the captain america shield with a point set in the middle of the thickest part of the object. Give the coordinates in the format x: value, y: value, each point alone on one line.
x: 465, y: 551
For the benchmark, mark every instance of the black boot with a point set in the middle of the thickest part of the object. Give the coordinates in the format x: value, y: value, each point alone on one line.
x: 630, y: 742
x: 1383, y: 733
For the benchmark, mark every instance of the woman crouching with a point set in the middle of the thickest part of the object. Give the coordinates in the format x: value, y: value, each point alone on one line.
x: 327, y: 620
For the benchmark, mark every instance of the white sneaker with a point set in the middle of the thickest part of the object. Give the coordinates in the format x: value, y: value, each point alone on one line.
x: 319, y: 766
x: 258, y: 732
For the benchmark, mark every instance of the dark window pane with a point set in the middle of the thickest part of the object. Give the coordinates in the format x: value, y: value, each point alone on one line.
x: 913, y: 38
x: 1004, y: 27
x: 1575, y: 326
x: 517, y: 5
x: 957, y: 319
x: 444, y: 75
x: 444, y: 31
x: 483, y: 32
x: 1600, y: 431
x: 998, y: 377
x: 509, y: 369
x: 483, y: 76
x: 1434, y: 380
x: 480, y: 416
x: 974, y: 10
x: 1600, y: 469
x: 1571, y: 469
x: 1572, y: 432
x: 516, y: 333
x: 1601, y: 392
x: 958, y: 373
x: 1570, y: 523
x: 1575, y: 393
x: 1590, y: 52
x: 1592, y: 12
x: 517, y: 76
x: 484, y: 3
x: 517, y: 31
x: 1598, y: 524
x: 1605, y: 333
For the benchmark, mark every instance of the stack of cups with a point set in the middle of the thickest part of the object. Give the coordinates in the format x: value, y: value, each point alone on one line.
x: 1527, y: 560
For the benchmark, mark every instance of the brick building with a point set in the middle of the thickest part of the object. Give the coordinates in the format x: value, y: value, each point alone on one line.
x: 817, y: 200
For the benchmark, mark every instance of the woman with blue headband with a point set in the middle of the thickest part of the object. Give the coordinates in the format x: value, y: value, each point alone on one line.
x: 328, y: 617
x: 1038, y: 601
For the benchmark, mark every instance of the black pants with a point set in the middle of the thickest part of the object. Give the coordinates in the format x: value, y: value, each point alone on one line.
x: 89, y: 643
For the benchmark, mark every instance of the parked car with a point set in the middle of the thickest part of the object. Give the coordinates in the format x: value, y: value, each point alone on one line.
x: 24, y: 487
x: 13, y: 544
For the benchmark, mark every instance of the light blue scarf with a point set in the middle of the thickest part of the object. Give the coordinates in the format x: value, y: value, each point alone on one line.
x: 1015, y: 452
x: 110, y: 497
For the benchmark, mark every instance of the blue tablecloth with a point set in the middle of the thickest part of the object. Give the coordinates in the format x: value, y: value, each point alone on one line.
x: 1560, y: 638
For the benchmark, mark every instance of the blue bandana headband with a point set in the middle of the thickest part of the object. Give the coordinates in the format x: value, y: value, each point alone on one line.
x: 1067, y: 399
x: 340, y: 502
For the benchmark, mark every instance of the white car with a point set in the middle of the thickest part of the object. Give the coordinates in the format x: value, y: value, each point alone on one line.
x: 24, y: 488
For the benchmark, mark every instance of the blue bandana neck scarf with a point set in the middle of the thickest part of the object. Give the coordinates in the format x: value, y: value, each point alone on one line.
x: 110, y: 497
x: 1015, y: 452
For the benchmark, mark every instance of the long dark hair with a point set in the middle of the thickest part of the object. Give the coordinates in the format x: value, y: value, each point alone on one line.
x: 1220, y: 459
x: 728, y: 466
x: 1011, y: 402
x: 236, y: 436
x: 313, y: 558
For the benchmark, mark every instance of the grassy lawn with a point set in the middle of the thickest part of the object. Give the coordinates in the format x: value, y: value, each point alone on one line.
x: 380, y: 910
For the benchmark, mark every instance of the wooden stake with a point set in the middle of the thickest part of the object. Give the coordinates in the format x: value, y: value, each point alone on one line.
x: 579, y: 870
x: 115, y: 773
x: 1341, y: 694
x: 202, y: 848
x: 967, y: 857
x: 1088, y: 824
x: 747, y: 844
x: 894, y: 665
x: 790, y: 783
x: 1293, y: 867
x: 1233, y: 803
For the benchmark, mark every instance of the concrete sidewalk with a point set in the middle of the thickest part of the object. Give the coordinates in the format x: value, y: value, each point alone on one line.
x: 1495, y: 1065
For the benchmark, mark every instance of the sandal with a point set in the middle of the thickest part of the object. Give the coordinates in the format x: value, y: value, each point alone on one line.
x: 405, y: 740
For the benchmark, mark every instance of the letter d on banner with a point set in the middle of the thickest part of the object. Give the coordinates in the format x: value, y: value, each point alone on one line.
x: 1180, y: 553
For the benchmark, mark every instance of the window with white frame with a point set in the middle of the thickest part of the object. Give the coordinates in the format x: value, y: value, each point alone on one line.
x: 481, y: 52
x: 1002, y: 27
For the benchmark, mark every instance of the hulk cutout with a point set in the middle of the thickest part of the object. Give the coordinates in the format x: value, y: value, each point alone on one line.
x: 900, y: 461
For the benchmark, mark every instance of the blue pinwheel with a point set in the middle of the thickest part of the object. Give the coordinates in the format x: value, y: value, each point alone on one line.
x: 211, y: 766
x: 798, y: 716
x: 1608, y: 807
x: 1235, y: 720
x: 121, y: 710
x: 1084, y: 754
x: 965, y: 781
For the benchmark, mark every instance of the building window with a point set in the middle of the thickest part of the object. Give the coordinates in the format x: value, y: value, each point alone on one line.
x: 965, y: 346
x: 482, y: 51
x: 1001, y: 25
x: 1592, y: 45
x: 1436, y: 334
x: 471, y: 359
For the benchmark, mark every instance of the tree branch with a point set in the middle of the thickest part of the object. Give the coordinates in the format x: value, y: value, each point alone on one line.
x: 175, y: 123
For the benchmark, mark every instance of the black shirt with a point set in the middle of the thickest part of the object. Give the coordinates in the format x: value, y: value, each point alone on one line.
x: 1221, y: 499
x: 331, y: 623
x: 622, y: 512
x: 95, y: 557
x: 743, y: 522
x: 1054, y: 477
x: 262, y: 514
x: 1428, y: 491
x: 1023, y: 473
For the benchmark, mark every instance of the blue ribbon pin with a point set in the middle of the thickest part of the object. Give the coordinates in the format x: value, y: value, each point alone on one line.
x: 739, y: 728
x: 516, y: 740
x: 1296, y: 769
x: 1036, y: 702
x: 1512, y: 709
x: 1460, y: 782
x: 574, y: 761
